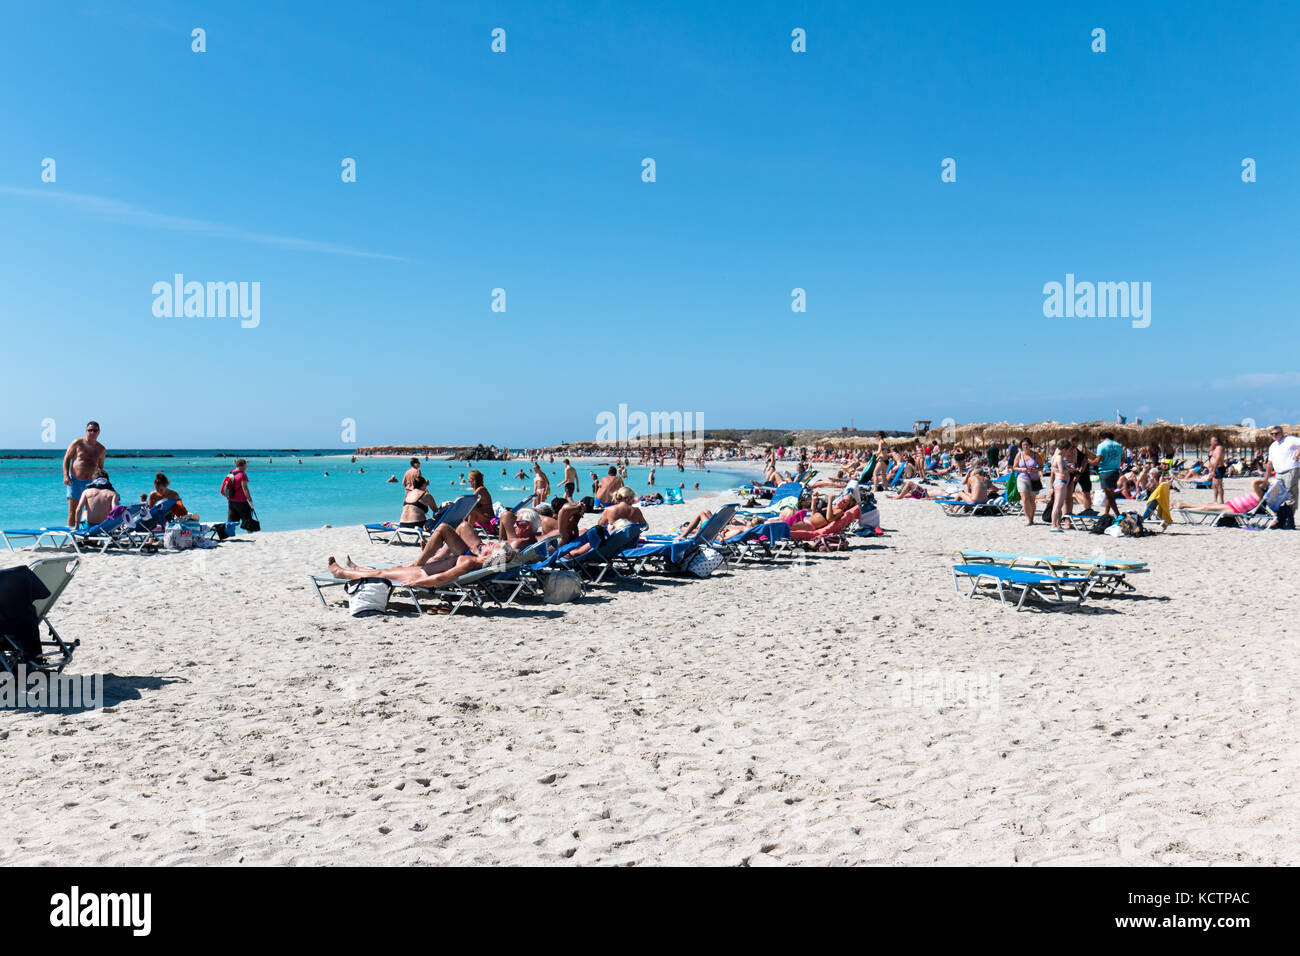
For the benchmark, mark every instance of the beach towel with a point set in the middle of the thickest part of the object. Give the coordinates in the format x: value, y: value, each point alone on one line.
x: 1161, y: 497
x: 19, y: 588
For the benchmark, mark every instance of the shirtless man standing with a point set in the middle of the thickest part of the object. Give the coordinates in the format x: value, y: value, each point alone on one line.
x: 541, y: 484
x: 1218, y: 468
x: 408, y: 479
x: 610, y: 484
x: 570, y: 480
x: 82, y: 461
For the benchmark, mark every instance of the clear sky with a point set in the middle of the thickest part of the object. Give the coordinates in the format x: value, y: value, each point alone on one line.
x: 523, y: 171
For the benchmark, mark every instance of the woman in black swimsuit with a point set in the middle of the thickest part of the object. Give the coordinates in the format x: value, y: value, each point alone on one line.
x: 417, y: 504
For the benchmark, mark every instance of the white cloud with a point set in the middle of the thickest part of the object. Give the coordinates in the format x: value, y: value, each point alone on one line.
x: 125, y: 212
x: 1259, y: 380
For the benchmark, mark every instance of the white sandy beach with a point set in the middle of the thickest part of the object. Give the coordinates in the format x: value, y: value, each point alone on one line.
x: 774, y: 714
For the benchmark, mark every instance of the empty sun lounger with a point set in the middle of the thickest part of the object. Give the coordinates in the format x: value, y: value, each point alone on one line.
x: 1045, y: 586
x: 1108, y: 574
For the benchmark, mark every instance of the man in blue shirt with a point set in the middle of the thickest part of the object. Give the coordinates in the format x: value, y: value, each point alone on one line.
x: 1110, y: 457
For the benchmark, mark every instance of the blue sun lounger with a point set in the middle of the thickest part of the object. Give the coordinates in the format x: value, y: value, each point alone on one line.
x: 784, y: 496
x: 1108, y: 574
x: 956, y: 508
x: 676, y: 554
x: 1044, y: 586
x: 599, y: 560
x: 99, y: 537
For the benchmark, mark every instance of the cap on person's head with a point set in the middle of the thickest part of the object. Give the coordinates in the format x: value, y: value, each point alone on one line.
x: 531, y: 516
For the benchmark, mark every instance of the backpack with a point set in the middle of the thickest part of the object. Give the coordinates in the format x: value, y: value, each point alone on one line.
x: 228, y: 486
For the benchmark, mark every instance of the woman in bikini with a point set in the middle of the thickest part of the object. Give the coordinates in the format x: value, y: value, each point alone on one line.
x: 417, y: 503
x: 483, y: 514
x: 1062, y: 469
x: 1028, y: 468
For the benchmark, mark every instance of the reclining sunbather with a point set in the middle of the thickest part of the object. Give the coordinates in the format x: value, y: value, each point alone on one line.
x: 910, y: 489
x: 1242, y: 504
x: 463, y: 553
x: 521, y: 529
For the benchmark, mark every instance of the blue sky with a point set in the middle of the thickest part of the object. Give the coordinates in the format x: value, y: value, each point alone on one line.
x: 522, y: 171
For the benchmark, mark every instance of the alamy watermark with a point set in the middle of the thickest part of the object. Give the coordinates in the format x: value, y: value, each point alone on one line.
x: 674, y: 427
x: 940, y: 691
x: 1101, y: 300
x: 212, y: 300
x: 40, y: 690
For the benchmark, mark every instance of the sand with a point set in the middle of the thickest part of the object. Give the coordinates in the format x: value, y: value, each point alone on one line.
x: 843, y: 708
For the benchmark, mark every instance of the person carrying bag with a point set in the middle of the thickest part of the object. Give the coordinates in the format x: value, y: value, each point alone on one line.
x: 239, y: 500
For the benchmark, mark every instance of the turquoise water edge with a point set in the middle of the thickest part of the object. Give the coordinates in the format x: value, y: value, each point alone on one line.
x: 292, y: 490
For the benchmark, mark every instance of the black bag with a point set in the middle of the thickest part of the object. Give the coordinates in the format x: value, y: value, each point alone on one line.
x: 1104, y: 522
x: 251, y: 524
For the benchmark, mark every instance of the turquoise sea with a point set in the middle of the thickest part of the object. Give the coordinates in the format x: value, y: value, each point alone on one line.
x: 291, y: 489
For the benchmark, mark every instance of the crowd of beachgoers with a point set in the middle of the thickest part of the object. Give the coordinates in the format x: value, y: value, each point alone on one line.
x: 769, y: 708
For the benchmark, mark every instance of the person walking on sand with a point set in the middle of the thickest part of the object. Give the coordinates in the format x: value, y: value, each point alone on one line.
x: 81, y: 462
x: 1110, y: 459
x: 239, y: 500
x: 570, y: 480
